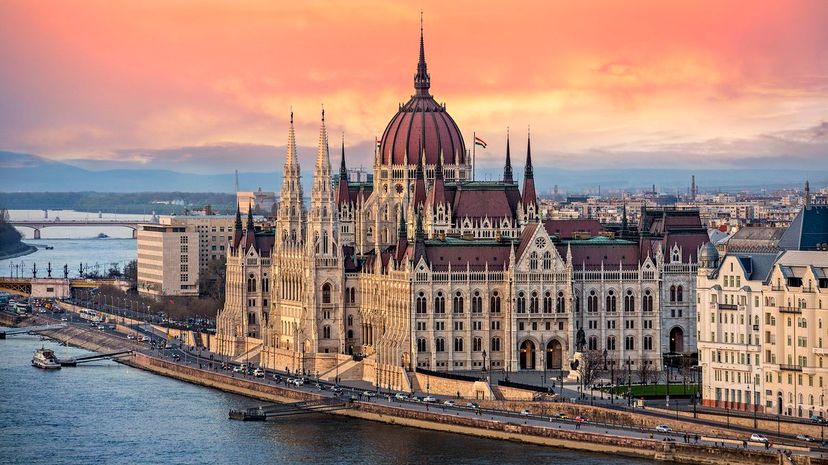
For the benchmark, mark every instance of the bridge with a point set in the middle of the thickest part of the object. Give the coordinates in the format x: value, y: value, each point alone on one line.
x: 51, y: 287
x: 37, y: 225
x: 264, y: 412
x: 30, y: 329
x: 72, y: 362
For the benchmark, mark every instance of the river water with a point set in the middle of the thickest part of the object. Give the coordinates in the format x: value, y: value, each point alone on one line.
x: 73, y: 245
x: 105, y: 413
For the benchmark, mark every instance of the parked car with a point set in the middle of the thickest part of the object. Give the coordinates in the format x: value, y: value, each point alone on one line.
x: 805, y: 437
x: 818, y: 419
x: 560, y: 416
x: 336, y: 389
x: 448, y: 403
x: 401, y: 396
x: 756, y: 437
x: 238, y: 369
x: 664, y: 429
x: 429, y: 399
x: 581, y: 419
x: 369, y: 394
x: 524, y: 412
x: 259, y: 373
x: 130, y: 337
x: 473, y: 405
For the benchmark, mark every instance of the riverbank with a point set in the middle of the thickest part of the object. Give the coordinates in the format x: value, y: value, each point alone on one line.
x: 22, y: 249
x: 555, y: 435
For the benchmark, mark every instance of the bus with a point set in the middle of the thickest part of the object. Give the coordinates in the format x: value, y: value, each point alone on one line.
x: 22, y: 308
x: 91, y: 315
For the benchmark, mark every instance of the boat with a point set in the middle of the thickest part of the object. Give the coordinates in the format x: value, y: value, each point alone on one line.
x: 102, y: 236
x: 45, y: 359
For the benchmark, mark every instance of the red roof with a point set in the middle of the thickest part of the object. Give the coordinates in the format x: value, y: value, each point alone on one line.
x: 566, y: 229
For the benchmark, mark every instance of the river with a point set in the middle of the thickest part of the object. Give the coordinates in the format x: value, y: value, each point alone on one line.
x: 104, y: 413
x: 73, y: 245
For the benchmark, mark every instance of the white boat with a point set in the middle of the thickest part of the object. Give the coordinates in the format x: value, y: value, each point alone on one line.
x: 45, y: 358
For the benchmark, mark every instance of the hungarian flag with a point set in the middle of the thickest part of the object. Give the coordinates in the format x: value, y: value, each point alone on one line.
x: 479, y: 141
x: 378, y: 142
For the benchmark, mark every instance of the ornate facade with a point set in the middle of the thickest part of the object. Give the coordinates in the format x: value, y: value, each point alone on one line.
x: 424, y: 267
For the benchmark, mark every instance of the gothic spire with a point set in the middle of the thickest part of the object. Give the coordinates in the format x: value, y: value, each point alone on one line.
x: 507, y: 170
x: 342, y: 187
x: 291, y: 159
x: 422, y: 81
x: 403, y: 226
x: 343, y: 171
x: 529, y: 173
x: 529, y: 195
x: 238, y: 218
x: 250, y: 226
x: 420, y: 233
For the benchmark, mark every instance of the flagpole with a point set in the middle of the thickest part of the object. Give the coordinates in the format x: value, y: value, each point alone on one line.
x: 474, y: 152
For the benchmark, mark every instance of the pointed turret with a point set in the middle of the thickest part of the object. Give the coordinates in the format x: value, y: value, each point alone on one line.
x: 322, y: 224
x: 250, y: 225
x: 422, y: 81
x: 290, y: 219
x: 250, y: 231
x: 529, y: 195
x: 403, y: 231
x: 807, y: 194
x: 507, y: 170
x: 238, y: 231
x: 419, y: 181
x: 342, y: 196
x: 437, y: 196
x: 419, y: 232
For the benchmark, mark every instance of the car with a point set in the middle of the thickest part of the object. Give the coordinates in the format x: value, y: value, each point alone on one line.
x: 664, y: 429
x: 130, y: 337
x: 143, y: 339
x: 298, y: 382
x: 560, y: 416
x: 259, y: 373
x: 756, y: 437
x: 524, y: 412
x: 805, y: 437
x: 818, y: 419
x: 581, y: 419
x: 401, y: 396
x: 238, y: 369
x: 64, y: 319
x: 320, y: 386
x: 417, y: 398
x: 429, y: 399
x: 448, y: 403
x: 369, y: 394
x: 473, y: 405
x: 336, y: 390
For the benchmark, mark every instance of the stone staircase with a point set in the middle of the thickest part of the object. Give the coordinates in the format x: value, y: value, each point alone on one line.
x: 350, y: 370
x: 251, y: 355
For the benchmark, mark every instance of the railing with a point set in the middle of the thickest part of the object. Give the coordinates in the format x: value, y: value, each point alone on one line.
x: 790, y: 310
x: 788, y: 367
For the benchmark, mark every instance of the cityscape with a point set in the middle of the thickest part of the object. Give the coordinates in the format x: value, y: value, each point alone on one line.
x: 612, y: 251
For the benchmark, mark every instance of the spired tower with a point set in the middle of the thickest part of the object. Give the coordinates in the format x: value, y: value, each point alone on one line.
x: 323, y: 251
x: 290, y: 227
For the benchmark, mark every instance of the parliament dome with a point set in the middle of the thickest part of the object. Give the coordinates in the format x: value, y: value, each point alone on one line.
x: 422, y: 120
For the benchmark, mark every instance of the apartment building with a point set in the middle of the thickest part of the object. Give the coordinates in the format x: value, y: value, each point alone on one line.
x: 168, y: 260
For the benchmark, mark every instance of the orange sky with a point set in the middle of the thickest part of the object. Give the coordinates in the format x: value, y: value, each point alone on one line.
x: 664, y: 83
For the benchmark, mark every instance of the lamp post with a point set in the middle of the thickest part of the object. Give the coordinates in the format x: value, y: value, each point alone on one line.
x: 484, y: 360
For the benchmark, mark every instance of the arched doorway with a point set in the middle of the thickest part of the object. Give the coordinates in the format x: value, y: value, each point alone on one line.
x: 554, y: 355
x: 527, y: 355
x: 779, y: 402
x: 677, y: 340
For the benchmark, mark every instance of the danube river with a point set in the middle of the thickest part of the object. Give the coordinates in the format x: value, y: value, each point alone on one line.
x: 105, y: 413
x: 73, y: 245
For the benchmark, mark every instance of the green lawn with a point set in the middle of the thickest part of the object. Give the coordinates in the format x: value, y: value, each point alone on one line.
x: 655, y: 390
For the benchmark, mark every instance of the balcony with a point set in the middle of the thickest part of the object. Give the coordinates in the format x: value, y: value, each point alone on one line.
x: 787, y: 367
x: 728, y: 306
x: 790, y: 310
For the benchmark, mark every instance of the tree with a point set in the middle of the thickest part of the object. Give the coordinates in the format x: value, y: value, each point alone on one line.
x: 211, y: 281
x: 131, y: 273
x: 591, y: 363
x: 645, y: 372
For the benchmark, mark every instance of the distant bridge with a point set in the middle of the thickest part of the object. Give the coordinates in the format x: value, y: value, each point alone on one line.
x: 30, y: 329
x: 37, y: 225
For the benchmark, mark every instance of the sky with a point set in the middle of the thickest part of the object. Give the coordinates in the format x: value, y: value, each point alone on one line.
x: 204, y: 86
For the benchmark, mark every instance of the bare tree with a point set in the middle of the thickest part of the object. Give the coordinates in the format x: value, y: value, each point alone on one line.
x: 645, y: 372
x: 590, y: 365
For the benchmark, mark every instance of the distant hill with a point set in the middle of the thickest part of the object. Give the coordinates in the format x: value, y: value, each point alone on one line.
x: 31, y: 173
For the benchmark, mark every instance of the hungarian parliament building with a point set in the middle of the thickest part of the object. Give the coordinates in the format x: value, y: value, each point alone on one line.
x: 426, y: 268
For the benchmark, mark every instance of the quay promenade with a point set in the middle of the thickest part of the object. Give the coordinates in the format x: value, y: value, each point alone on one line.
x: 485, y: 422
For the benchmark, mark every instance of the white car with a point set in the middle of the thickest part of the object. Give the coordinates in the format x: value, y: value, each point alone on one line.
x: 259, y: 373
x: 130, y: 337
x: 756, y: 437
x: 524, y: 412
x: 663, y: 429
x: 401, y: 396
x: 429, y: 399
x: 238, y: 369
x: 448, y: 403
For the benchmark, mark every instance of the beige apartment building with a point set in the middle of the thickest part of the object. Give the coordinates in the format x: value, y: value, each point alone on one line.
x: 173, y: 253
x: 762, y: 316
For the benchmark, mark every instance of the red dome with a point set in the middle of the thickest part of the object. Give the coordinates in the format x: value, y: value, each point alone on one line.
x: 405, y: 132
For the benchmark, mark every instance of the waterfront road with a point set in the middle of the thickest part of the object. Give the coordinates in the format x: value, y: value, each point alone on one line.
x: 174, y: 351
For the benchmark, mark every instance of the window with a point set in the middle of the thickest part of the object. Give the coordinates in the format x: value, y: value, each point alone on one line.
x: 521, y: 302
x: 593, y: 343
x: 495, y: 344
x: 440, y: 345
x: 350, y: 320
x: 629, y: 343
x: 533, y: 303
x: 477, y: 303
x: 494, y: 303
x: 184, y: 268
x: 533, y: 261
x: 440, y: 303
x: 457, y: 306
x: 326, y: 293
x: 629, y: 301
x: 611, y: 343
x: 422, y: 346
x: 477, y: 344
x: 184, y: 278
x: 547, y: 260
x: 611, y: 307
x: 458, y: 344
x: 648, y: 343
x: 680, y: 292
x: 592, y: 302
x: 421, y: 303
x: 647, y: 301
x: 559, y: 303
x: 251, y: 283
x: 326, y: 332
x: 672, y: 293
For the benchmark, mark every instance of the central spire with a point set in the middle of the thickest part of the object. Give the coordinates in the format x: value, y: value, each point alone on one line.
x: 422, y: 81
